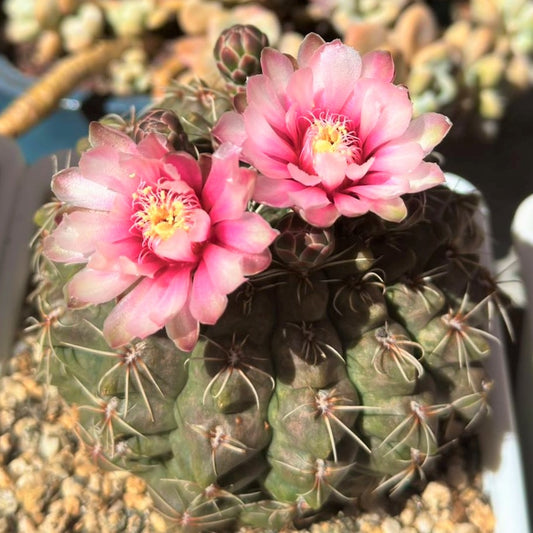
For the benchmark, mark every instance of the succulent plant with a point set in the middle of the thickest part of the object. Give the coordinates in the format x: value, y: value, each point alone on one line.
x: 260, y: 359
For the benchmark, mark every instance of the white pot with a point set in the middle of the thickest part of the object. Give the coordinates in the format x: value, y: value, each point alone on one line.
x: 503, y: 472
x: 522, y: 234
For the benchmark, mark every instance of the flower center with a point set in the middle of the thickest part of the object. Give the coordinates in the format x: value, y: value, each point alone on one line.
x: 333, y: 133
x: 330, y: 133
x: 159, y: 213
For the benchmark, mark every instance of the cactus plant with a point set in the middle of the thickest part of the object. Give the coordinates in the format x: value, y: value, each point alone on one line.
x: 259, y: 359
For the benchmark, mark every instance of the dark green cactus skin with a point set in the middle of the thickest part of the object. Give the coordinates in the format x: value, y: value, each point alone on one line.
x: 333, y: 373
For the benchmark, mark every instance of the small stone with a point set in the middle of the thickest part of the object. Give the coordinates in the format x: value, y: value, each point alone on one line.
x: 465, y: 527
x: 30, y: 490
x: 7, y: 419
x: 5, y: 481
x: 424, y: 522
x: 6, y: 446
x: 436, y: 496
x: 408, y: 515
x: 444, y: 526
x: 11, y: 393
x: 49, y: 443
x: 8, y: 502
x: 25, y: 523
x: 4, y: 525
x: 27, y: 432
x: 391, y: 525
x: 481, y: 515
x: 135, y: 485
x: 72, y: 505
x: 157, y: 522
x: 71, y: 487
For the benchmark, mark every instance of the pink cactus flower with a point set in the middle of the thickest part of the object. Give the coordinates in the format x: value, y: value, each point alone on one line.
x: 331, y: 135
x: 165, y: 234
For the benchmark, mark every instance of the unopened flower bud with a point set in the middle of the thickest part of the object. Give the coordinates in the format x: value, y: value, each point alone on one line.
x: 167, y: 123
x: 302, y: 246
x: 238, y: 51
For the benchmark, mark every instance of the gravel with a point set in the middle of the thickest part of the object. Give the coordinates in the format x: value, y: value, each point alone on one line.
x: 49, y: 483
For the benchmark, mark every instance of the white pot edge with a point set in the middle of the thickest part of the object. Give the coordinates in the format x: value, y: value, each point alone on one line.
x: 503, y: 471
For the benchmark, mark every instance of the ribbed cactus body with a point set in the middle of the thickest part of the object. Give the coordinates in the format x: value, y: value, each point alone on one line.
x: 345, y: 367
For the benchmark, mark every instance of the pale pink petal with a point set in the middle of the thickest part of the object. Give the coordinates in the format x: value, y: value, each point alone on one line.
x: 309, y: 197
x: 322, y: 217
x: 70, y: 186
x: 102, y: 165
x: 187, y: 169
x: 336, y: 68
x: 378, y: 64
x: 300, y: 91
x: 154, y: 145
x: 183, y: 329
x: 146, y: 308
x: 100, y: 135
x: 427, y: 130
x: 255, y: 263
x: 80, y: 232
x: 397, y: 157
x: 425, y: 176
x: 331, y: 167
x: 199, y: 226
x: 265, y: 138
x: 178, y: 247
x: 303, y: 177
x: 393, y: 210
x: 251, y: 233
x: 355, y: 172
x: 270, y: 166
x: 228, y: 188
x: 349, y: 206
x: 141, y: 169
x: 311, y: 43
x: 207, y: 304
x: 90, y: 286
x: 230, y: 128
x: 173, y: 288
x: 275, y: 192
x: 261, y: 92
x: 278, y: 67
x: 391, y: 189
x: 223, y: 267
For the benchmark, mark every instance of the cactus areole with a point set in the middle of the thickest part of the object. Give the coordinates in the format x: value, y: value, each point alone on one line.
x: 274, y: 329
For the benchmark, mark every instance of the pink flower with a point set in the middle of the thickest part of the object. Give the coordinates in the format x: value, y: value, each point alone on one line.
x: 331, y: 135
x: 167, y: 235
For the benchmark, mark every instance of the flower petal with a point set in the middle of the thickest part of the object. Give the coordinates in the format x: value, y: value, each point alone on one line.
x: 147, y: 307
x: 187, y: 169
x: 230, y: 128
x: 224, y: 268
x: 427, y: 130
x: 275, y: 192
x: 350, y: 206
x: 378, y: 64
x: 90, y: 286
x: 331, y: 167
x: 336, y: 67
x: 393, y: 210
x: 425, y: 176
x: 100, y: 135
x: 278, y: 67
x: 207, y: 304
x: 251, y: 233
x: 183, y: 329
x: 71, y: 186
x: 310, y: 44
